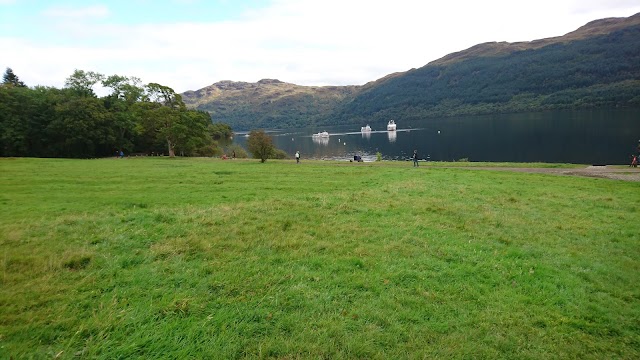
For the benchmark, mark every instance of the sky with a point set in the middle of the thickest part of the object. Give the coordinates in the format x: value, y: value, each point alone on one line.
x: 191, y: 44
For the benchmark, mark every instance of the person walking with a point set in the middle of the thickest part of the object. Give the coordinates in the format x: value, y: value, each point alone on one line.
x: 297, y: 157
x: 415, y: 158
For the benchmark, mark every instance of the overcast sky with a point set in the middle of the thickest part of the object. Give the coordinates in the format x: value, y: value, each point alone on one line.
x: 190, y: 44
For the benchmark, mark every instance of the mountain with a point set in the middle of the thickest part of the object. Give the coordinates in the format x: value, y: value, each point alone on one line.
x: 592, y: 29
x: 268, y: 103
x: 597, y: 65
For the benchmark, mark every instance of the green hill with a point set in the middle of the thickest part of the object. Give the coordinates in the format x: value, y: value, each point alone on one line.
x: 268, y: 103
x: 598, y: 65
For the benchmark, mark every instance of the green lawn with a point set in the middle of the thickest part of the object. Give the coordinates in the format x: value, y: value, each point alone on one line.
x: 202, y: 258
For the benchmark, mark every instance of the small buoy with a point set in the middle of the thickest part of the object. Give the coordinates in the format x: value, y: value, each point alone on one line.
x: 438, y: 131
x: 345, y: 143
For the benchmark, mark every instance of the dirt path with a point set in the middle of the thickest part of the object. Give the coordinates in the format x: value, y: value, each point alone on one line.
x: 605, y: 172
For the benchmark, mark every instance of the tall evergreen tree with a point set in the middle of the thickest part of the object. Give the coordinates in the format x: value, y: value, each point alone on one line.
x: 10, y: 78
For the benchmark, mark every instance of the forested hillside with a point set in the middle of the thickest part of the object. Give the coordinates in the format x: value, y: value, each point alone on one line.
x: 598, y: 65
x: 595, y: 72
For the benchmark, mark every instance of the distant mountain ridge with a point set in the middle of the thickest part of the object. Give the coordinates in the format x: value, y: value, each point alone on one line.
x: 595, y: 65
x: 591, y: 29
x: 268, y: 103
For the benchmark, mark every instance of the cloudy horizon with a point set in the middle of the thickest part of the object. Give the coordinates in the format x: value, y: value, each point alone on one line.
x: 190, y: 44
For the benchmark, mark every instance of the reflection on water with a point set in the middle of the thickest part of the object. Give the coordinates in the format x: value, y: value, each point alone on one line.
x: 392, y: 135
x: 320, y: 140
x: 603, y: 136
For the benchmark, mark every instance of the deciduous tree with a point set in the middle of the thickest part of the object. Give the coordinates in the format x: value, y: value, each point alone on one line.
x: 82, y: 82
x: 161, y: 115
x: 164, y: 95
x: 82, y: 128
x: 166, y: 119
x: 125, y: 92
x: 260, y: 144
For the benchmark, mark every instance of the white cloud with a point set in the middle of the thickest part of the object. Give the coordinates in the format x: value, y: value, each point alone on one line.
x: 307, y: 42
x: 96, y: 11
x: 588, y: 6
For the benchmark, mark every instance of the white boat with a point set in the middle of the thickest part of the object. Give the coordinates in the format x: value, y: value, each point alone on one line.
x: 323, y: 134
x: 391, y: 126
x: 365, y: 128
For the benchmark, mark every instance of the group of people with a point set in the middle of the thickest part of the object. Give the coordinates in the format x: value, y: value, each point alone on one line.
x: 233, y: 155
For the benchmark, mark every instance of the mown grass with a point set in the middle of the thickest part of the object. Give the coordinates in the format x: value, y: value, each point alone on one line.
x: 201, y: 258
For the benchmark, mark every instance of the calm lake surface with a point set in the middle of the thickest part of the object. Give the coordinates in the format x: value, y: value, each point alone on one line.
x: 580, y: 137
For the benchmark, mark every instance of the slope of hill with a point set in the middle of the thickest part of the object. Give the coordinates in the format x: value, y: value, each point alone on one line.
x: 268, y: 103
x: 592, y: 29
x: 597, y: 65
x: 596, y: 71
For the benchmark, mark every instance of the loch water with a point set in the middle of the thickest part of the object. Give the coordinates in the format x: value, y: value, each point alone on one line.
x: 600, y: 136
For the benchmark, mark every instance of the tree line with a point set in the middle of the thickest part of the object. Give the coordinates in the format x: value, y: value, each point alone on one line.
x: 74, y: 122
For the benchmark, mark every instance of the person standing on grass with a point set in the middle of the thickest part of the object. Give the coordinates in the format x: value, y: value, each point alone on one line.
x: 297, y: 157
x: 415, y: 158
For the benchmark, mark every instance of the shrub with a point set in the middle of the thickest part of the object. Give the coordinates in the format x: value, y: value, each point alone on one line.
x: 241, y: 153
x: 207, y: 150
x: 279, y: 154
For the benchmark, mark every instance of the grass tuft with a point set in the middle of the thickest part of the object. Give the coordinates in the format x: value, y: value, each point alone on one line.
x: 77, y: 261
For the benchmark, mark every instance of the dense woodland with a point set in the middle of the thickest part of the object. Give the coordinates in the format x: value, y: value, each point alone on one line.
x: 74, y: 122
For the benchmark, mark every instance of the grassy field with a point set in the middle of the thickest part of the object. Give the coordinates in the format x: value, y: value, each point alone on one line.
x: 202, y: 258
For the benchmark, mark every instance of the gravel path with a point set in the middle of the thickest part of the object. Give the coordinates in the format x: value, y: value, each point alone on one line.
x: 605, y: 172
